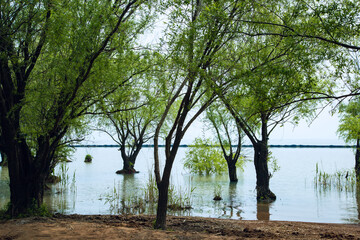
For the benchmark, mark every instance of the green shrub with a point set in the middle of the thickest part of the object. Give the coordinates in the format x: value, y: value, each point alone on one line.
x: 88, y: 158
x: 204, y: 157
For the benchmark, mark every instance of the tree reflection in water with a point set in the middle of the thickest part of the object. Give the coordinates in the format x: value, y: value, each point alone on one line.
x: 263, y: 211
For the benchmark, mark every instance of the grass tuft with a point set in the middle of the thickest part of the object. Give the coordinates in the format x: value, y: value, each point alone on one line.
x: 343, y: 181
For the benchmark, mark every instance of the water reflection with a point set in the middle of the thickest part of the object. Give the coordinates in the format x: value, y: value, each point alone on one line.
x: 232, y: 198
x: 263, y: 211
x: 61, y: 197
x: 131, y: 200
x: 100, y: 191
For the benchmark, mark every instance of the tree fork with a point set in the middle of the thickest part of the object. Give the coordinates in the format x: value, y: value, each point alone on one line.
x: 231, y: 163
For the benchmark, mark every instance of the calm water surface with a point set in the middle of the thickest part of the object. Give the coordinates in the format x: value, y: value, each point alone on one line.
x: 90, y: 185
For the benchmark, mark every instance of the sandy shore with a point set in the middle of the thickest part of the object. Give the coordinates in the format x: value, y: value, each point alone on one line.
x: 140, y: 227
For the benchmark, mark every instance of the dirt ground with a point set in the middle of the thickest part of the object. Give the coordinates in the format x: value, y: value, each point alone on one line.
x: 140, y: 227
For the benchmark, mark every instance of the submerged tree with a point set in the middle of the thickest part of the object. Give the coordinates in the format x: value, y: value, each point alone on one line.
x: 267, y: 88
x: 131, y: 117
x: 228, y: 133
x: 198, y: 31
x: 52, y: 61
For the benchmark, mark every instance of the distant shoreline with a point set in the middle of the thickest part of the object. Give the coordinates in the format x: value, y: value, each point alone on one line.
x: 244, y: 146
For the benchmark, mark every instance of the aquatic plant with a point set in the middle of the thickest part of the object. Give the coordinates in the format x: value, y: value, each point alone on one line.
x: 150, y: 190
x: 113, y: 198
x: 217, y: 193
x: 65, y: 183
x: 65, y: 188
x: 341, y: 180
x: 63, y: 174
x: 145, y: 199
x: 178, y: 199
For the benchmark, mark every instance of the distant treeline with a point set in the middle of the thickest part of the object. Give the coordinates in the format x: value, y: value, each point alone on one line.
x: 245, y: 146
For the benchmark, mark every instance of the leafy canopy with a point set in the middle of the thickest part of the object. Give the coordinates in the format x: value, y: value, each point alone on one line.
x: 205, y: 157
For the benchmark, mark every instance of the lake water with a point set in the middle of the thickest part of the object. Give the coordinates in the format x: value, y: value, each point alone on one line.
x: 91, y: 185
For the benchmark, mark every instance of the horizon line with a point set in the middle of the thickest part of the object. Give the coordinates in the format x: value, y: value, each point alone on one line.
x: 244, y: 146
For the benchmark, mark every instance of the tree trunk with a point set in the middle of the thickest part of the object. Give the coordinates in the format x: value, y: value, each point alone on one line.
x: 27, y: 173
x: 3, y: 160
x: 160, y: 222
x: 262, y: 173
x: 26, y: 183
x: 357, y: 160
x: 232, y: 169
x: 128, y: 166
x: 129, y: 161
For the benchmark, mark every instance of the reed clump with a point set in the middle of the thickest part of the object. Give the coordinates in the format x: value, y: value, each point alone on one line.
x: 144, y: 200
x: 66, y: 183
x: 217, y: 193
x: 341, y: 180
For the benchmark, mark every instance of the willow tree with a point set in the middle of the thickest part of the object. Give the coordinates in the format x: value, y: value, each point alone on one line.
x: 128, y: 117
x: 196, y: 34
x: 267, y: 88
x: 330, y: 28
x: 53, y: 66
x: 330, y: 21
x: 229, y: 135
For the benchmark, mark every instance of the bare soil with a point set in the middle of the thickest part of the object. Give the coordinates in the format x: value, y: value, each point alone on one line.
x: 140, y: 227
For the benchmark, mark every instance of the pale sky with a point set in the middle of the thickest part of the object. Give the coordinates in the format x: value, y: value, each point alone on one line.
x: 321, y: 131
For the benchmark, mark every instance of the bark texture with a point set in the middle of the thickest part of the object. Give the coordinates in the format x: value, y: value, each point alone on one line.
x: 231, y: 163
x: 357, y: 160
x: 160, y: 222
x: 262, y: 173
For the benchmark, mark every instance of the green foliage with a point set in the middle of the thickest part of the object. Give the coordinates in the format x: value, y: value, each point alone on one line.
x: 41, y: 211
x: 204, y: 157
x: 88, y: 158
x: 349, y: 127
x: 4, y: 214
x: 59, y: 59
x: 33, y: 211
x: 273, y: 164
x: 128, y: 115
